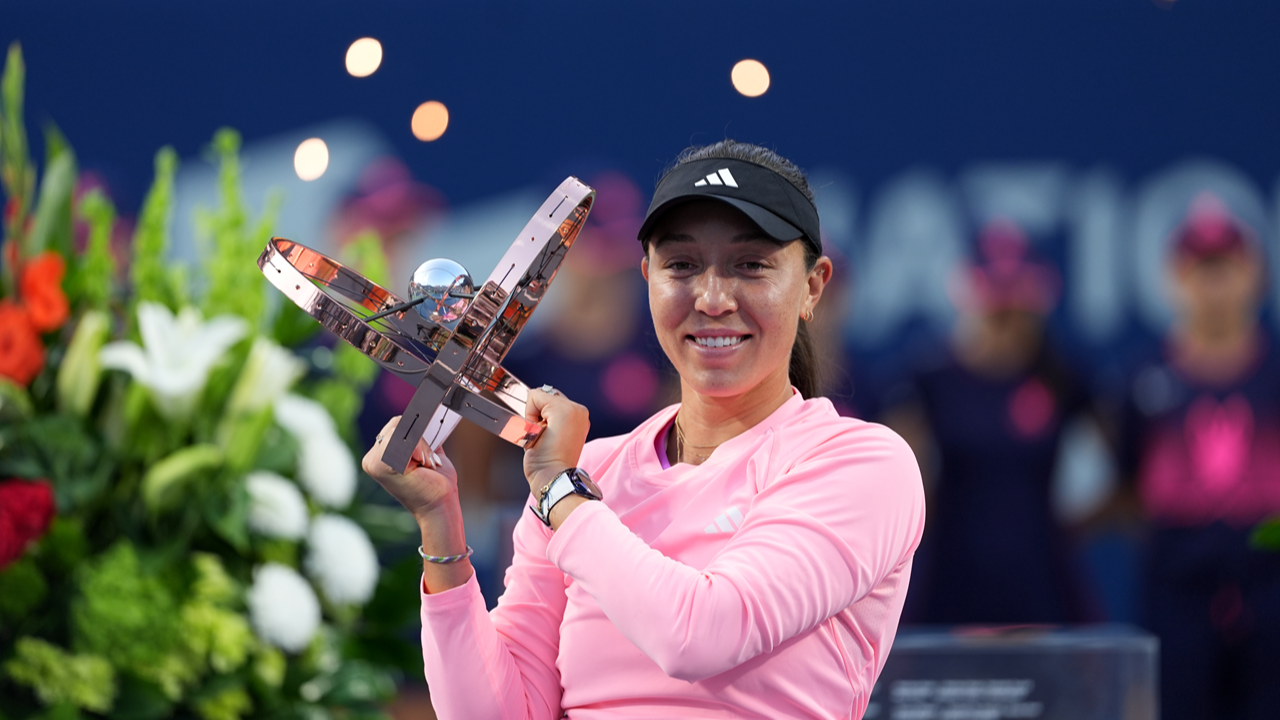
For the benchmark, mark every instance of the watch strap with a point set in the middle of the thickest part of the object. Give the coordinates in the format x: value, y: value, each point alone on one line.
x: 560, y: 487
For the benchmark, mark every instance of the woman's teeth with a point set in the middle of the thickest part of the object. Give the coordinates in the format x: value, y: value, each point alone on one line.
x: 716, y: 342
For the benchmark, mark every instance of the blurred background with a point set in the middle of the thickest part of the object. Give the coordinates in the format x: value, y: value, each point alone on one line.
x: 1038, y: 213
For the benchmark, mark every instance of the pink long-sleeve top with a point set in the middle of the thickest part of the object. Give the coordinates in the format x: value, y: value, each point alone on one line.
x: 766, y: 582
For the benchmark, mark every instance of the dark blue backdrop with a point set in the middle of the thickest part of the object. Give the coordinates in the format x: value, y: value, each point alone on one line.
x: 870, y: 85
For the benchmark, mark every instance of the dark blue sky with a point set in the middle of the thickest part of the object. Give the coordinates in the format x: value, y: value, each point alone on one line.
x: 537, y: 88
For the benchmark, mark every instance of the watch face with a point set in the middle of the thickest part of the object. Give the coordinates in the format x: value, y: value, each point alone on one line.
x: 583, y: 481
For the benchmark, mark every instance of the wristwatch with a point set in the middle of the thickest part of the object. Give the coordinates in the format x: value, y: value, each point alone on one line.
x: 574, y: 481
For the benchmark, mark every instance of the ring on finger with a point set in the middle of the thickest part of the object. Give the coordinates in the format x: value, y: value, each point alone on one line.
x: 549, y: 390
x: 378, y: 441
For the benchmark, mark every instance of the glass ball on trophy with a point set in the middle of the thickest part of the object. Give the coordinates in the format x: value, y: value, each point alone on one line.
x: 445, y: 288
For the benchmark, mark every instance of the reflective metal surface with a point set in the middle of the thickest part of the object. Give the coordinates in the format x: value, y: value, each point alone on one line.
x: 458, y: 372
x: 446, y: 287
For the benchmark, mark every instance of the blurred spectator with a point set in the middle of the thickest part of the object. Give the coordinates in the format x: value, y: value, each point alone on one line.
x: 985, y: 417
x: 1200, y: 441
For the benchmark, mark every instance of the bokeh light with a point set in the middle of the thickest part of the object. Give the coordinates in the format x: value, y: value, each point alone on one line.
x: 311, y: 159
x: 430, y: 120
x: 363, y: 57
x: 750, y: 77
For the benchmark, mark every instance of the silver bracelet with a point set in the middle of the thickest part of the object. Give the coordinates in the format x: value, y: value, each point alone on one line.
x: 444, y: 559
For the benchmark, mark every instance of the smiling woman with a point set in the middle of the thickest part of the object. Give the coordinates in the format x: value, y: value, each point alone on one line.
x: 744, y: 553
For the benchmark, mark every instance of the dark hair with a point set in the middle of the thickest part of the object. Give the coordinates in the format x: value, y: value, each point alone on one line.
x: 805, y: 368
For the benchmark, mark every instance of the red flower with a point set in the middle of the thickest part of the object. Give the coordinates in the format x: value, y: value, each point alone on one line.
x: 26, y: 509
x: 21, y: 353
x: 41, y: 289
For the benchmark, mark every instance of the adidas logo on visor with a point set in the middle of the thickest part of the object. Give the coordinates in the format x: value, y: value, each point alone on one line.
x: 722, y: 177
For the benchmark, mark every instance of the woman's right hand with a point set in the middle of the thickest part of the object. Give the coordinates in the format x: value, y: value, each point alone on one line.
x: 425, y: 486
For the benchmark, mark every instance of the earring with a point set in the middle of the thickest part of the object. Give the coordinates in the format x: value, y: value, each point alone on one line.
x: 808, y: 315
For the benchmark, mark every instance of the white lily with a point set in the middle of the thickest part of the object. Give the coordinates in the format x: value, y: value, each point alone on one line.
x: 176, y: 355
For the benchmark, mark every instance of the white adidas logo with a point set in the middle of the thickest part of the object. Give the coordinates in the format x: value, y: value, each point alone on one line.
x: 723, y: 177
x: 726, y: 522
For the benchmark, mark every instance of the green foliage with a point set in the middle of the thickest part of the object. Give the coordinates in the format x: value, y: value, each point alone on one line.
x: 1267, y: 534
x: 22, y: 588
x: 133, y: 604
x: 150, y: 237
x: 17, y: 175
x: 128, y: 616
x: 217, y: 636
x: 228, y: 701
x: 86, y: 681
x: 80, y: 371
x: 51, y: 222
x: 92, y: 282
x: 166, y: 483
x: 235, y: 241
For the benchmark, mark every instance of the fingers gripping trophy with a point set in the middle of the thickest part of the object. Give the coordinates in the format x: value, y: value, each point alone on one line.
x: 450, y: 337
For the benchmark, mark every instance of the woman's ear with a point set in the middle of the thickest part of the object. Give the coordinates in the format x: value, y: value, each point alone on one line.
x: 818, y: 278
x: 644, y: 267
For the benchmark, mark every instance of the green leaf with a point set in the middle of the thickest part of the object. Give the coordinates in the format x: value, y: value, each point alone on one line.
x: 58, y: 448
x: 140, y: 700
x: 242, y: 438
x: 1267, y: 534
x: 167, y: 481
x: 80, y: 373
x: 358, y: 682
x: 51, y: 226
x: 228, y: 515
x: 22, y: 588
x: 15, y: 403
x: 64, y: 546
x: 293, y: 326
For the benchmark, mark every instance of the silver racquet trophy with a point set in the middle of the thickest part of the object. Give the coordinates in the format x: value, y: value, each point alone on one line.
x: 450, y: 338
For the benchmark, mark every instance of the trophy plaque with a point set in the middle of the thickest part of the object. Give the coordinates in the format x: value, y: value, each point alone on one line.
x: 449, y: 338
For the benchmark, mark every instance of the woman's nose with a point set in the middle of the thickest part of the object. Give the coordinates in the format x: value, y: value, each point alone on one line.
x: 715, y: 294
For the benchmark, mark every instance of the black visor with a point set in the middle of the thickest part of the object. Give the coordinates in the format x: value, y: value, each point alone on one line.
x: 769, y: 199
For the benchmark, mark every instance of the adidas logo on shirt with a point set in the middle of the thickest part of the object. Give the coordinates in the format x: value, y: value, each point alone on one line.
x: 721, y: 177
x: 726, y: 522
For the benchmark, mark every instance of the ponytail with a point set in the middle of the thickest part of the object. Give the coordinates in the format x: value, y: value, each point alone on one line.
x: 805, y: 369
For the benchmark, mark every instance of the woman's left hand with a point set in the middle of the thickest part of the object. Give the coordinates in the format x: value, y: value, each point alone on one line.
x: 560, y: 445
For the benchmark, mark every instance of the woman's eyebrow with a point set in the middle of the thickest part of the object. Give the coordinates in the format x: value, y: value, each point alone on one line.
x: 674, y: 238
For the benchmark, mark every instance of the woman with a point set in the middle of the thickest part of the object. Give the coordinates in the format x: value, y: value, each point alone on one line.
x: 987, y: 415
x: 1200, y: 445
x: 751, y: 552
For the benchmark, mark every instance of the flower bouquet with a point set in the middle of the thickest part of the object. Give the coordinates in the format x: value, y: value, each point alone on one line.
x: 180, y: 533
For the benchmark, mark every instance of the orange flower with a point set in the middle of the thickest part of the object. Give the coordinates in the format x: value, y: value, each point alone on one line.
x: 21, y: 354
x: 41, y: 289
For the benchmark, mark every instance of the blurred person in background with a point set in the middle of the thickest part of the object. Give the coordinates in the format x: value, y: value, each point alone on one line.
x: 1200, y: 443
x: 986, y: 417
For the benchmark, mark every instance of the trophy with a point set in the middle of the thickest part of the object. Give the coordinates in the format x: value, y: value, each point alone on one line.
x: 449, y: 338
